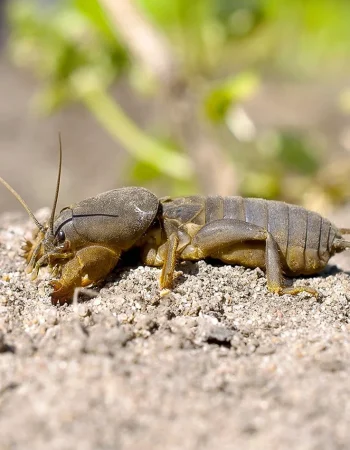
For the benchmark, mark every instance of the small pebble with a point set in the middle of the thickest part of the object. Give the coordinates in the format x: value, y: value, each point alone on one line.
x: 266, y: 349
x: 330, y: 363
x: 84, y: 311
x: 3, y: 301
x: 52, y: 317
x: 3, y: 346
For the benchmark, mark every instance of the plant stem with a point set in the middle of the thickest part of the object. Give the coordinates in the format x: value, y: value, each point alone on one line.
x: 112, y: 117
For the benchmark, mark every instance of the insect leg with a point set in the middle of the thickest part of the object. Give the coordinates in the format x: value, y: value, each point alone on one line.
x: 218, y: 236
x: 89, y: 265
x: 45, y: 259
x: 275, y: 280
x: 218, y: 239
x: 167, y: 275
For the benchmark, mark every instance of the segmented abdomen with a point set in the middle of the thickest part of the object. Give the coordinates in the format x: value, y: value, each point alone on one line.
x: 304, y: 237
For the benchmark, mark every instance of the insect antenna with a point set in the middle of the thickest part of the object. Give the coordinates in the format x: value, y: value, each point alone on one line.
x: 344, y: 230
x: 24, y: 204
x: 52, y: 217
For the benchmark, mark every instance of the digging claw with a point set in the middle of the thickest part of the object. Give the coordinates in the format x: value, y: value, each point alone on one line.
x: 60, y: 295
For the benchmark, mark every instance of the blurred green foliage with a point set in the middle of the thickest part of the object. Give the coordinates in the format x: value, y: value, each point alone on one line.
x: 225, y: 48
x: 229, y: 92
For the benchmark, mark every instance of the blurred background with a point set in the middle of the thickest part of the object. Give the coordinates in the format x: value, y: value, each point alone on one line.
x: 231, y: 97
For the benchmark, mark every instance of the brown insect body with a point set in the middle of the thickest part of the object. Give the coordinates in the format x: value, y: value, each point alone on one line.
x: 281, y: 238
x: 304, y: 238
x: 85, y: 241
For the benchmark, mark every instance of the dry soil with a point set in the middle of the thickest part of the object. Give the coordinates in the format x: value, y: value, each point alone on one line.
x: 220, y: 363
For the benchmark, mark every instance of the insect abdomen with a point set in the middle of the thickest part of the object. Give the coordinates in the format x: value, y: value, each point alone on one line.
x: 304, y: 237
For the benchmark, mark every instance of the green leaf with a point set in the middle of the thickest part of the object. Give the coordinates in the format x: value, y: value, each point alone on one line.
x: 296, y: 154
x: 261, y: 184
x: 231, y: 91
x: 143, y: 172
x: 96, y: 15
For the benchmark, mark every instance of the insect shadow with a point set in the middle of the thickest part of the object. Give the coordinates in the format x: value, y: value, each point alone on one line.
x: 331, y: 270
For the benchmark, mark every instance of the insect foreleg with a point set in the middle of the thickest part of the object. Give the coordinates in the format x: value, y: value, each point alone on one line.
x: 48, y: 258
x: 89, y: 265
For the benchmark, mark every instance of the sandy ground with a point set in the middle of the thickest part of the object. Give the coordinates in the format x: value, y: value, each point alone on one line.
x: 218, y: 363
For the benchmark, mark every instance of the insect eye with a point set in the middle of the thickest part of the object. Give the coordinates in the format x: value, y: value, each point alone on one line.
x: 61, y: 237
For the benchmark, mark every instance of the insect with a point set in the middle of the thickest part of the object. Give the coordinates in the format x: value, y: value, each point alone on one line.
x: 85, y: 241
